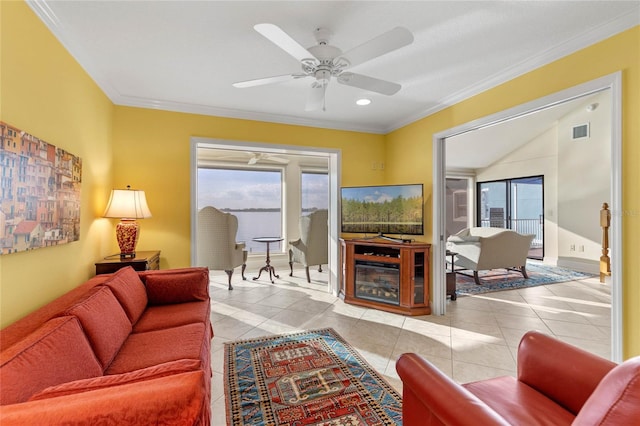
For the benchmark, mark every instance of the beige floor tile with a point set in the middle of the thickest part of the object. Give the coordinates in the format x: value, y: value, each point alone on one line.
x: 516, y: 321
x: 475, y: 340
x: 464, y: 372
x: 488, y: 355
x: 479, y: 317
x: 570, y: 329
x: 562, y: 315
x: 481, y: 332
x: 429, y: 325
x: 427, y: 346
x: 381, y: 317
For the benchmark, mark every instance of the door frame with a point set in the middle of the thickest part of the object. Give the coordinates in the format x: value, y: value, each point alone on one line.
x: 612, y: 82
x: 334, y: 160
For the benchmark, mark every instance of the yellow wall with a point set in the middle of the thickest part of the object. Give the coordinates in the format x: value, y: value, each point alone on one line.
x: 44, y: 92
x: 619, y: 53
x: 149, y: 149
x: 152, y: 152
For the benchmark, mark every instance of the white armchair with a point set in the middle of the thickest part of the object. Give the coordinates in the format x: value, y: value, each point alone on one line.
x: 490, y: 248
x: 313, y: 245
x: 217, y: 248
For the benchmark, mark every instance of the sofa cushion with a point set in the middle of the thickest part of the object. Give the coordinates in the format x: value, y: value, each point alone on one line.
x: 154, y: 372
x: 179, y: 399
x: 177, y: 286
x: 104, y: 322
x: 518, y: 403
x: 130, y: 292
x: 142, y: 350
x: 57, y: 352
x: 168, y: 316
x: 616, y: 400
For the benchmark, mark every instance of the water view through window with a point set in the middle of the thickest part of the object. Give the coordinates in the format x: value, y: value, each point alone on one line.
x: 255, y: 198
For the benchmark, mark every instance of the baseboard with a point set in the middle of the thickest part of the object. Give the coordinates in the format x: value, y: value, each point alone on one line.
x: 587, y: 266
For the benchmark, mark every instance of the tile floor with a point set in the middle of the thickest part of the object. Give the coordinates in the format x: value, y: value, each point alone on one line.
x: 476, y: 339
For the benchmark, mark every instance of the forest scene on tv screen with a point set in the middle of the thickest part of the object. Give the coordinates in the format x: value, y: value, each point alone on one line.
x: 388, y: 209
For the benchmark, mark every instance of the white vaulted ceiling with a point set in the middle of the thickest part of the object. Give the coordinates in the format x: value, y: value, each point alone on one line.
x: 185, y: 55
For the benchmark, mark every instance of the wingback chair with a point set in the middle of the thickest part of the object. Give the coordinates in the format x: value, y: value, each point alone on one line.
x: 217, y: 248
x: 312, y: 247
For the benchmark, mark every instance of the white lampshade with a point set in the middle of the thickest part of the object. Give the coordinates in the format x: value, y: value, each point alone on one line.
x: 127, y: 204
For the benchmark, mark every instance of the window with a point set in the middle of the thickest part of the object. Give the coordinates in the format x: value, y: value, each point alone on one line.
x: 314, y: 191
x: 253, y: 196
x: 516, y: 204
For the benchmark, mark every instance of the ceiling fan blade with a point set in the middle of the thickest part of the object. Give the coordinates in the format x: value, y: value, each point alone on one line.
x: 277, y: 159
x: 384, y: 43
x: 369, y: 83
x: 263, y: 81
x: 283, y: 41
x: 315, y: 99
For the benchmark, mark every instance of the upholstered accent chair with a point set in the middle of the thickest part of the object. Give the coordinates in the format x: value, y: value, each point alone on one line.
x: 481, y: 249
x: 217, y: 248
x: 312, y: 248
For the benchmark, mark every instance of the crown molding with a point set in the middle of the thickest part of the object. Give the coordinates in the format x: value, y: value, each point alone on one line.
x: 241, y: 114
x: 595, y: 35
x: 613, y: 27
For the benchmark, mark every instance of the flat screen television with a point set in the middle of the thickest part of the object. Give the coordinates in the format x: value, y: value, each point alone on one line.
x: 385, y: 209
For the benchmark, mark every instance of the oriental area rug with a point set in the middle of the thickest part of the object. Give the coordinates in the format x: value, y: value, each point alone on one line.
x: 504, y: 279
x: 308, y: 378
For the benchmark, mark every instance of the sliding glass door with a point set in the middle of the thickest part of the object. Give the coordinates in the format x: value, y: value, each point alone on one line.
x: 516, y: 204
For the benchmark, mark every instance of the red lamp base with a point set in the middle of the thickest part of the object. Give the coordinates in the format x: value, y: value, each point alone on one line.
x: 127, y: 233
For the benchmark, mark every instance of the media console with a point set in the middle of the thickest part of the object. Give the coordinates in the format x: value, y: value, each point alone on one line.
x: 386, y: 275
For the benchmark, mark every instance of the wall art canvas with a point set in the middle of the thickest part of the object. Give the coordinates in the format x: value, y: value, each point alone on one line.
x: 39, y: 192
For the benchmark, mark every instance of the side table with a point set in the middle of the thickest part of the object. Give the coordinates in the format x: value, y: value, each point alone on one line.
x: 144, y: 260
x: 268, y: 267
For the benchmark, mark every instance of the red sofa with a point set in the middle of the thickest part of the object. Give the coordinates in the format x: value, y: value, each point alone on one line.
x: 126, y: 348
x: 557, y: 384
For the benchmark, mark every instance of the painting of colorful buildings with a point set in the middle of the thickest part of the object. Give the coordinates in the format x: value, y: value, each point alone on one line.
x: 39, y: 192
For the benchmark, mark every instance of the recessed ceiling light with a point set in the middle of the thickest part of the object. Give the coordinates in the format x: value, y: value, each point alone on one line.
x: 363, y: 101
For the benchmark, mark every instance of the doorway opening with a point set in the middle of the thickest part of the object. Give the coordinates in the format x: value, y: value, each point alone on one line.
x: 611, y: 85
x: 295, y: 170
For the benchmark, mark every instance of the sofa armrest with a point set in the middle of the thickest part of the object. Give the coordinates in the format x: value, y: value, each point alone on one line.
x: 564, y: 373
x: 176, y: 399
x: 176, y: 285
x: 431, y: 398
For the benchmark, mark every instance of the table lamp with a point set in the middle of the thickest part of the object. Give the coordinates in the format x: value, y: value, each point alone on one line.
x: 127, y: 205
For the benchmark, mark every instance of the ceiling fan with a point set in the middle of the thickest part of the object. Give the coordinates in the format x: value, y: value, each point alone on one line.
x: 249, y: 157
x: 324, y: 61
x: 258, y: 156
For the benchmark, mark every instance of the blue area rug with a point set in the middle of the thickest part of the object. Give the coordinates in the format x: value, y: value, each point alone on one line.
x: 503, y: 279
x: 303, y: 379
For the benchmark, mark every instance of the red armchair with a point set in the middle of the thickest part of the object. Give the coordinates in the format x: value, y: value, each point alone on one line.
x: 557, y: 384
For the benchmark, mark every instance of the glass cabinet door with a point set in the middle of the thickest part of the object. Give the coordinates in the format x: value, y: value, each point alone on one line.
x: 418, y: 277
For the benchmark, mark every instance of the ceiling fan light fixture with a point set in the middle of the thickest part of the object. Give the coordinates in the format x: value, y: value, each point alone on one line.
x: 363, y: 101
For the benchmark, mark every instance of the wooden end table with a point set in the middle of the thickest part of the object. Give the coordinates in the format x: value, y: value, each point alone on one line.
x: 143, y: 261
x: 268, y: 267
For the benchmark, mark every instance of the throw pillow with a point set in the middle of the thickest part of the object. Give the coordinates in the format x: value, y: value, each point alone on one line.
x: 177, y: 286
x: 130, y: 292
x: 104, y: 322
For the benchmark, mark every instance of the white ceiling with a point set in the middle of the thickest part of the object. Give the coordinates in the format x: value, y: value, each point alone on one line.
x: 482, y: 147
x: 184, y: 55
